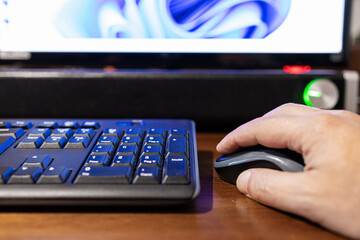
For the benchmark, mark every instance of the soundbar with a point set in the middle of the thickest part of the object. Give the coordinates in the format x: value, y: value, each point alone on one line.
x: 218, y: 100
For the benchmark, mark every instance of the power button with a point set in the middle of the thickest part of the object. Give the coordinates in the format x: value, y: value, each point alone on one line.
x: 321, y: 93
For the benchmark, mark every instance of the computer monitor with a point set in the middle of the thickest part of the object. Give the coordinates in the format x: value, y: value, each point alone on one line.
x: 174, y: 33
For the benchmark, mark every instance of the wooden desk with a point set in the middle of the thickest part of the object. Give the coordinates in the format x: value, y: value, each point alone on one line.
x: 220, y: 212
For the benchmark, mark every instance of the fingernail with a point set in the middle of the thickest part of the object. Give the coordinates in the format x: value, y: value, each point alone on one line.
x: 243, y: 181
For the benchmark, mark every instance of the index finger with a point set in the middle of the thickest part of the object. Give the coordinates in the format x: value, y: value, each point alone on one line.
x: 273, y: 132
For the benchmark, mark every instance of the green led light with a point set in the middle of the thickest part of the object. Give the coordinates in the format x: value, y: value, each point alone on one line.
x: 313, y: 93
x: 310, y: 93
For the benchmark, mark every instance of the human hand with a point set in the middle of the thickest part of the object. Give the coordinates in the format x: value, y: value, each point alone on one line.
x: 328, y: 191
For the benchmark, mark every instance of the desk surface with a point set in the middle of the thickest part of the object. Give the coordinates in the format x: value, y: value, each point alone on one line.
x: 220, y: 212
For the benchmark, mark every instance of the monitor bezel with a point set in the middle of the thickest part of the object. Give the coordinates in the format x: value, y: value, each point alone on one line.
x: 192, y: 60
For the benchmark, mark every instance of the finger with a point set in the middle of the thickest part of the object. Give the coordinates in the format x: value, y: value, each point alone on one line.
x: 291, y: 109
x: 283, y: 190
x: 273, y: 132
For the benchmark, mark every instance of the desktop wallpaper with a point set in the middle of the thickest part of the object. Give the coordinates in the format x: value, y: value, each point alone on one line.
x: 195, y: 19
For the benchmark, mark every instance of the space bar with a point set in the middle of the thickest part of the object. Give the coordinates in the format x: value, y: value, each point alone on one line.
x: 5, y: 142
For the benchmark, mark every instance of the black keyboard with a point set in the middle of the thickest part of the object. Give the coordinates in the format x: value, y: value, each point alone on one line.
x: 97, y: 162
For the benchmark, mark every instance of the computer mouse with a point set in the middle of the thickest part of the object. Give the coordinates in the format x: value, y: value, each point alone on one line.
x: 230, y: 166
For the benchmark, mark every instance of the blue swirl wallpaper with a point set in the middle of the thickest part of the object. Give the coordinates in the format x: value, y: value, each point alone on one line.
x: 203, y: 19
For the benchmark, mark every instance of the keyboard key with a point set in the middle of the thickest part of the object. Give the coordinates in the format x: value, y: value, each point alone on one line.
x: 42, y: 161
x: 5, y: 173
x: 5, y: 124
x: 108, y: 140
x: 176, y: 170
x: 113, y: 132
x: 147, y: 175
x: 128, y: 150
x: 90, y: 124
x: 78, y: 142
x: 48, y: 124
x: 25, y: 175
x: 98, y: 160
x: 87, y: 132
x: 177, y: 146
x: 30, y: 142
x: 55, y: 175
x: 133, y: 132
x: 151, y: 160
x: 156, y: 132
x: 131, y: 141
x: 54, y: 142
x: 153, y: 150
x: 103, y: 150
x: 124, y: 160
x: 40, y: 132
x: 63, y: 132
x: 104, y: 175
x: 22, y: 124
x: 177, y: 132
x: 150, y: 140
x: 69, y: 124
x: 12, y: 132
x: 5, y: 142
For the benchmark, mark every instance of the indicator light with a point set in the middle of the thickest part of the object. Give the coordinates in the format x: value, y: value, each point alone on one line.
x: 296, y: 69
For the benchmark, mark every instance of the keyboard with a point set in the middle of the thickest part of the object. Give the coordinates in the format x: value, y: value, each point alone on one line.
x: 97, y: 162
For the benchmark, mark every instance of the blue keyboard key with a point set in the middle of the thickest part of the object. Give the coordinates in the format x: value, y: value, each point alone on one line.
x: 42, y: 161
x: 153, y: 150
x: 5, y: 124
x: 5, y: 173
x: 5, y: 142
x: 54, y: 142
x: 124, y: 160
x: 97, y: 160
x: 22, y: 124
x: 64, y: 132
x: 176, y: 170
x: 48, y: 124
x: 40, y: 132
x: 69, y: 124
x: 25, y: 175
x: 177, y: 132
x: 113, y: 132
x: 150, y: 140
x: 78, y: 142
x: 177, y: 146
x: 108, y: 140
x: 104, y: 175
x: 147, y: 175
x: 103, y: 150
x: 90, y: 124
x: 88, y: 132
x: 131, y: 141
x: 54, y: 175
x: 30, y: 142
x: 12, y: 132
x: 128, y: 150
x: 134, y: 132
x: 156, y: 132
x: 151, y: 160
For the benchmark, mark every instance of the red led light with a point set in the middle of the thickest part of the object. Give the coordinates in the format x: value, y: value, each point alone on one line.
x: 296, y: 69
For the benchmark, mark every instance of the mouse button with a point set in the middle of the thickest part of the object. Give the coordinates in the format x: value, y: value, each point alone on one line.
x: 288, y: 154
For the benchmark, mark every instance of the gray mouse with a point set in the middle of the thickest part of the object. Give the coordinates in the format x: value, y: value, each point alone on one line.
x: 230, y: 166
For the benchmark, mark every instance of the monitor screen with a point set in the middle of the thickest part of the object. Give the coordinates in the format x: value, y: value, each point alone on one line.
x: 175, y: 33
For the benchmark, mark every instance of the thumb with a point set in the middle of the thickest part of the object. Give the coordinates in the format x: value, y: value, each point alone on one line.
x: 283, y: 190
